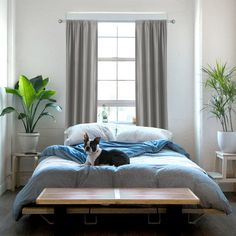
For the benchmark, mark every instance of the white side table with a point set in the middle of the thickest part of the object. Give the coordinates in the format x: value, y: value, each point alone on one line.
x: 15, y: 164
x: 221, y: 177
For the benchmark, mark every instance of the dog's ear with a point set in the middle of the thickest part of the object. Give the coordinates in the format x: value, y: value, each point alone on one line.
x: 97, y: 140
x: 86, y: 137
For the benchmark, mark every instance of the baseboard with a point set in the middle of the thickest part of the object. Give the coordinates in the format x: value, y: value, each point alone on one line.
x: 6, y: 185
x: 3, y: 187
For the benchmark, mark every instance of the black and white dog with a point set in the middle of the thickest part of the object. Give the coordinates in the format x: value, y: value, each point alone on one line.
x: 97, y: 156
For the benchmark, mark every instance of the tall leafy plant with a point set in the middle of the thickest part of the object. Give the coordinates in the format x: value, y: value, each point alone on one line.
x: 35, y: 101
x: 223, y: 93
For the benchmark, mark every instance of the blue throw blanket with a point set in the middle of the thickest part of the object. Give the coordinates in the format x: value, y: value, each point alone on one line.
x: 76, y: 153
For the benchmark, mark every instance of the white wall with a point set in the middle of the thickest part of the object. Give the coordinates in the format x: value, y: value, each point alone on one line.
x: 218, y: 43
x: 40, y: 49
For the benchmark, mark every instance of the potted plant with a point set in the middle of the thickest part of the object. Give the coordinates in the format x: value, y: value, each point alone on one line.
x: 35, y: 102
x: 104, y: 113
x: 221, y: 104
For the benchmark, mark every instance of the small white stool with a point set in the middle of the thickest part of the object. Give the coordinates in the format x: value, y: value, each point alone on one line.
x: 15, y: 164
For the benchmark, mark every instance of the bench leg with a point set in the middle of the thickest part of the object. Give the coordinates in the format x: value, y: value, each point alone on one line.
x: 60, y: 221
x: 174, y: 217
x: 90, y: 219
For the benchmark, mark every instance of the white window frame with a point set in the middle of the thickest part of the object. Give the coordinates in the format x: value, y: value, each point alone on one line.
x: 116, y: 103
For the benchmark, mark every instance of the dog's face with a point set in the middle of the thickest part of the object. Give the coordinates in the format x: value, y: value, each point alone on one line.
x: 90, y: 146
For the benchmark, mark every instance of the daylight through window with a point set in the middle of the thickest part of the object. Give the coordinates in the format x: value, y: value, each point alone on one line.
x: 116, y: 72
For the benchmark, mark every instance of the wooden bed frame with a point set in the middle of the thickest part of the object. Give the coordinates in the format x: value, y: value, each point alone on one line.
x: 94, y: 201
x: 86, y: 207
x: 49, y: 210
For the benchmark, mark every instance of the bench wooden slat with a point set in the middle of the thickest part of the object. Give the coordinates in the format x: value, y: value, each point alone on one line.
x: 45, y: 210
x: 107, y: 196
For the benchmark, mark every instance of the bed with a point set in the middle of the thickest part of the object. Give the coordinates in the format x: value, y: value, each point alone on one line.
x: 155, y: 162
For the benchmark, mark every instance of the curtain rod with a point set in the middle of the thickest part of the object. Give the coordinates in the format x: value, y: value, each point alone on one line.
x: 63, y: 21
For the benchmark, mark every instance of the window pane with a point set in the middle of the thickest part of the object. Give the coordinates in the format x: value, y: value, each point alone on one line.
x: 111, y: 113
x: 106, y: 90
x: 107, y: 47
x: 126, y: 90
x: 126, y: 29
x: 126, y: 114
x: 126, y: 70
x: 106, y: 70
x: 108, y: 29
x: 126, y: 47
x: 116, y: 114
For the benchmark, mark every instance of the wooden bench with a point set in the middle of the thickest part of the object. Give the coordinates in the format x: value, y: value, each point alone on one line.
x: 117, y: 196
x: 62, y: 198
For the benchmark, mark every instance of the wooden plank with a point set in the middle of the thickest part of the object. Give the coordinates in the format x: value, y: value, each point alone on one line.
x: 80, y: 196
x: 159, y: 196
x: 39, y: 210
x: 107, y: 196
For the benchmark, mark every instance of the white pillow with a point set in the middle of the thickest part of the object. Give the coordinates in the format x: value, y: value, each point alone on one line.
x: 75, y: 134
x: 141, y: 133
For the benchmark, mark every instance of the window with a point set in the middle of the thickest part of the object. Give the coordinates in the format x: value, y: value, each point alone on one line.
x: 116, y: 72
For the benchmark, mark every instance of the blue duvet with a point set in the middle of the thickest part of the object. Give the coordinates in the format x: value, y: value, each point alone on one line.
x: 77, y: 154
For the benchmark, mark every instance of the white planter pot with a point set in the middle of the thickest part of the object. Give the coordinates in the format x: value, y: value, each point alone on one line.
x: 227, y: 141
x: 28, y: 142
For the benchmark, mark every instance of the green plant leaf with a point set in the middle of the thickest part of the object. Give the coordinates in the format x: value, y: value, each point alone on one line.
x: 7, y: 110
x: 47, y: 114
x: 53, y: 105
x: 37, y: 83
x: 21, y: 116
x: 46, y: 94
x: 223, y: 92
x: 27, y: 91
x: 12, y: 91
x: 45, y: 82
x: 31, y: 93
x: 52, y: 100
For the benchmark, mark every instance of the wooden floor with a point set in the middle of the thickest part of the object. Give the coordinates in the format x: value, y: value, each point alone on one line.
x: 214, y: 225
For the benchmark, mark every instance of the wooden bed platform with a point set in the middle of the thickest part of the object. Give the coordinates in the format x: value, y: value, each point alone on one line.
x: 47, y: 210
x: 115, y: 201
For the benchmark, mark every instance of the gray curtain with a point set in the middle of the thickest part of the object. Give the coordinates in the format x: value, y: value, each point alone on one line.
x: 81, y: 62
x: 151, y: 94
